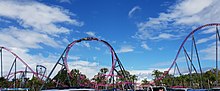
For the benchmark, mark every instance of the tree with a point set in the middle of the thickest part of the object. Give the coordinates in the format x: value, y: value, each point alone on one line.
x: 121, y: 76
x: 101, y: 78
x: 104, y: 70
x: 210, y: 78
x: 74, y: 78
x: 4, y: 82
x: 62, y: 78
x: 157, y: 74
x: 133, y: 78
x: 168, y: 80
x: 144, y: 82
x: 34, y: 84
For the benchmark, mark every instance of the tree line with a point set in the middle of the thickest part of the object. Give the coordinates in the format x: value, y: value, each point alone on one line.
x: 206, y: 80
x: 77, y: 79
x: 73, y: 79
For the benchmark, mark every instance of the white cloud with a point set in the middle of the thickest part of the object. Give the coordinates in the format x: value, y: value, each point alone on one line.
x: 209, y: 52
x: 65, y: 40
x: 4, y: 20
x: 86, y: 67
x: 14, y: 37
x: 97, y: 48
x: 133, y: 10
x: 163, y: 36
x: 161, y: 48
x: 84, y: 63
x: 74, y: 58
x: 145, y: 46
x: 65, y: 1
x: 94, y: 58
x: 203, y: 40
x: 191, y: 7
x: 126, y: 48
x: 143, y: 74
x: 179, y: 18
x: 113, y: 42
x: 36, y: 24
x: 86, y: 44
x: 163, y: 63
x: 210, y: 30
x: 92, y: 34
x: 38, y: 16
x: 31, y: 60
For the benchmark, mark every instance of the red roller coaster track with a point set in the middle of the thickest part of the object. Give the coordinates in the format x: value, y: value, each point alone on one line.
x: 17, y: 57
x: 181, y: 47
x: 115, y: 60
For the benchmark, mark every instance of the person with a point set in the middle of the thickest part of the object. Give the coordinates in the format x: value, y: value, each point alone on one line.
x: 160, y: 89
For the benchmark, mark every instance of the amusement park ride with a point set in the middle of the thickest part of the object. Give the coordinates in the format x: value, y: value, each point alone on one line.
x: 18, y: 79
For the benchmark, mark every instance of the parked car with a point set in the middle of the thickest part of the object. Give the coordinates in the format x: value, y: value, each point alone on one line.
x: 156, y: 88
x: 187, y: 89
x: 182, y: 89
x: 215, y: 89
x: 199, y: 90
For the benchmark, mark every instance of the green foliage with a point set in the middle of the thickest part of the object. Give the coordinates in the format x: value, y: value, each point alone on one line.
x: 4, y: 83
x: 209, y: 79
x: 133, y: 78
x: 144, y: 82
x: 121, y: 77
x: 101, y: 78
x: 76, y: 78
x: 104, y: 70
x: 157, y: 74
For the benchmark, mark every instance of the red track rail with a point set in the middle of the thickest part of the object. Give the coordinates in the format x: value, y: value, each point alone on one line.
x: 181, y: 46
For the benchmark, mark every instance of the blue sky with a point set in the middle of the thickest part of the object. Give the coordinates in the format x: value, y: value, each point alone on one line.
x: 146, y: 34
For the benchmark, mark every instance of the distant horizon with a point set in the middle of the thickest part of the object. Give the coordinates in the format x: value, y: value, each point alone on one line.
x: 146, y: 35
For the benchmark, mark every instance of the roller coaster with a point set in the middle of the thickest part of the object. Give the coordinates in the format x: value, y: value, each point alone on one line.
x: 190, y: 43
x: 188, y: 54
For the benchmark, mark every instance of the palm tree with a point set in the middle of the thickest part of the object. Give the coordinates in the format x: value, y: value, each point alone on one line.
x: 61, y: 77
x: 121, y: 75
x: 101, y: 78
x: 157, y: 74
x: 76, y: 80
x: 4, y: 82
x: 35, y: 83
x: 144, y: 81
x: 210, y: 78
x: 133, y: 78
x: 168, y: 80
x: 104, y: 70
